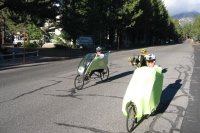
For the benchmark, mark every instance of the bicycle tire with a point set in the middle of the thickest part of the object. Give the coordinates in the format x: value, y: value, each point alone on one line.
x: 130, y: 119
x: 105, y: 74
x: 79, y: 82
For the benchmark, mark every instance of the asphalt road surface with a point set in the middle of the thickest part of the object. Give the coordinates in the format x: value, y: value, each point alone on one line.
x: 41, y: 98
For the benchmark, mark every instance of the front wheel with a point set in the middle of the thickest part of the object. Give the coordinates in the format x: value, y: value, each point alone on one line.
x: 104, y: 74
x: 79, y: 82
x: 130, y: 119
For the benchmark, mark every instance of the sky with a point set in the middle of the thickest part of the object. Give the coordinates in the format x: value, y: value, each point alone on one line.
x: 179, y: 6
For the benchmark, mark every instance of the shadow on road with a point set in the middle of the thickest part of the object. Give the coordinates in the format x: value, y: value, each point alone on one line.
x: 89, y: 129
x: 164, y: 70
x: 167, y: 96
x: 19, y: 66
x: 72, y: 91
x: 121, y: 75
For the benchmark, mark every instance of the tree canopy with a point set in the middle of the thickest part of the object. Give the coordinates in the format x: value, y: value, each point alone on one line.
x: 196, y: 26
x: 107, y: 21
x: 26, y: 11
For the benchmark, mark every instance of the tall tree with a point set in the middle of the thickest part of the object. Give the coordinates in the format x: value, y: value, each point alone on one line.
x: 36, y: 11
x: 196, y: 27
x: 24, y: 12
x: 73, y: 17
x: 160, y: 21
x: 177, y: 31
x: 187, y: 30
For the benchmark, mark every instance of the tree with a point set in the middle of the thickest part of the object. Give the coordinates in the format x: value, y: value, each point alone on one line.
x: 141, y: 20
x: 24, y: 11
x: 196, y: 27
x: 160, y: 21
x: 177, y: 30
x: 34, y: 33
x: 187, y: 30
x: 72, y: 19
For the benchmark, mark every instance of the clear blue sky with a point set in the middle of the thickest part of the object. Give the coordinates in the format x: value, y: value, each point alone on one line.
x: 179, y: 6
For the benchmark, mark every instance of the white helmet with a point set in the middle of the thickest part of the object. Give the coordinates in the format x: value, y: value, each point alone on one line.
x: 150, y: 57
x: 98, y: 49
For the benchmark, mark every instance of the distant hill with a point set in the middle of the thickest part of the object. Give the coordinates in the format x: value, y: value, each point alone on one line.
x: 186, y: 17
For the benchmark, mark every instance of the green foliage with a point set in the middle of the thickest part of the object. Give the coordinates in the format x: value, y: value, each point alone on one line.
x: 63, y: 37
x: 187, y: 33
x: 34, y: 32
x: 128, y: 12
x: 31, y: 45
x: 97, y: 18
x: 74, y: 47
x: 196, y: 26
x: 142, y: 21
x: 64, y: 46
x: 34, y: 11
x: 178, y: 28
x: 192, y: 30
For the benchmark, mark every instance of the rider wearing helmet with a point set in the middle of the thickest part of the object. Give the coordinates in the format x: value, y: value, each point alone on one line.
x: 98, y: 51
x: 151, y: 59
x: 141, y: 60
x: 143, y: 50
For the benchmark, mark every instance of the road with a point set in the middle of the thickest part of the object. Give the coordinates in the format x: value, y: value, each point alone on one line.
x: 40, y: 97
x: 191, y: 120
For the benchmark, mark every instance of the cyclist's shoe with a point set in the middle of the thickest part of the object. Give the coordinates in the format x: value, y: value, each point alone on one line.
x: 130, y: 60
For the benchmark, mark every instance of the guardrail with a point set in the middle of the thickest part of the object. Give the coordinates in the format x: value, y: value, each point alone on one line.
x: 13, y: 55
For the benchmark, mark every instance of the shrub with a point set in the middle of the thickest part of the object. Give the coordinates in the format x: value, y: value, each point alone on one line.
x: 31, y: 45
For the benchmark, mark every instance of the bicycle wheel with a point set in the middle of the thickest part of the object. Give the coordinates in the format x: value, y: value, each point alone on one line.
x: 130, y: 119
x: 78, y: 82
x: 105, y: 74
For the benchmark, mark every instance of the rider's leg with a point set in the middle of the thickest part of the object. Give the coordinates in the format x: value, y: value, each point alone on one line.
x: 91, y: 73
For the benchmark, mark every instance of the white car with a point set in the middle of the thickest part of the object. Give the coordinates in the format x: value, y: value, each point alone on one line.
x: 18, y: 43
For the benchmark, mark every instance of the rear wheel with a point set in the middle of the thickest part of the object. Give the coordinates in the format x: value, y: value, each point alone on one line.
x: 130, y: 119
x: 78, y: 82
x: 104, y: 74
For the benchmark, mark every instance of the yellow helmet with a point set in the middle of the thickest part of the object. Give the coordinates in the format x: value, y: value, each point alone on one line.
x: 143, y: 50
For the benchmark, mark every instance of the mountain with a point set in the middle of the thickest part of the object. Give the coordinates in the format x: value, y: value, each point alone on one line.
x: 186, y: 17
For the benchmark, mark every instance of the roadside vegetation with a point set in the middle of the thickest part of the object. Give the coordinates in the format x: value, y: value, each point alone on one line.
x: 111, y: 23
x: 192, y: 30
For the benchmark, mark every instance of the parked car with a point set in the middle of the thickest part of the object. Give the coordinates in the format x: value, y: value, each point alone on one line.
x: 18, y: 43
x: 85, y: 42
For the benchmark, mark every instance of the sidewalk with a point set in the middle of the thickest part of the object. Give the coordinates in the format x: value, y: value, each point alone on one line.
x: 45, y: 54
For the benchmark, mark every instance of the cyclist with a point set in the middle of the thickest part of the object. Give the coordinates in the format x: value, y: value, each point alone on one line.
x: 141, y: 60
x: 98, y: 51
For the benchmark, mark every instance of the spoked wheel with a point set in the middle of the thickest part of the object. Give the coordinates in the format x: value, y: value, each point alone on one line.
x: 78, y: 82
x: 130, y: 119
x: 105, y: 74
